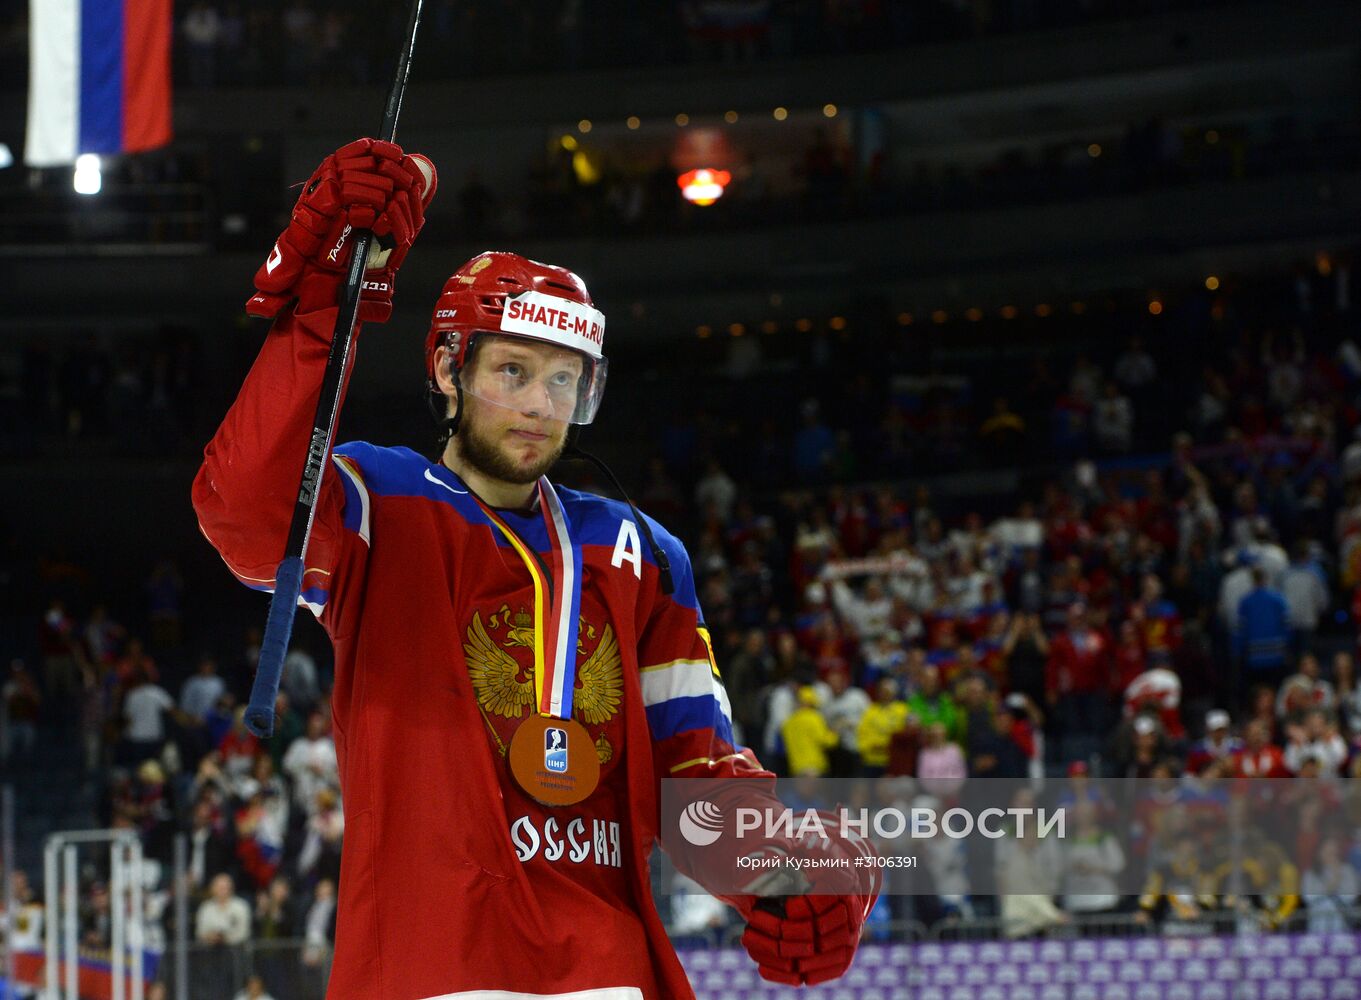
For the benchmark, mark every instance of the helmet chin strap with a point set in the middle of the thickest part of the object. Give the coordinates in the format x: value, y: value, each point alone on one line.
x: 445, y: 426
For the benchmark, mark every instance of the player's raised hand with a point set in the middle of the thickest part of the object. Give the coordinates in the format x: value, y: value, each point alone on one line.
x: 368, y: 184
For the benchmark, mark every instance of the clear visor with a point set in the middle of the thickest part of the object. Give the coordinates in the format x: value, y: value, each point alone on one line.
x: 535, y: 379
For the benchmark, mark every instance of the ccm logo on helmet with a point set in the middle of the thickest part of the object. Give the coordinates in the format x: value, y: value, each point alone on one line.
x: 445, y: 313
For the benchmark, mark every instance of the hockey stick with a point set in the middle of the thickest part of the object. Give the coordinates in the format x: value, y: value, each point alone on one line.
x: 288, y: 578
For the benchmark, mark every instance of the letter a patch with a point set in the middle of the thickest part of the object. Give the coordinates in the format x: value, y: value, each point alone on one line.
x: 627, y: 548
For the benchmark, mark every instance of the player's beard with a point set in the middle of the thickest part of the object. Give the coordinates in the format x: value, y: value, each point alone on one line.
x: 490, y: 458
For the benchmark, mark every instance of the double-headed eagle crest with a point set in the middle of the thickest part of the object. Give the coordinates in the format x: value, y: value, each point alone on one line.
x: 505, y: 688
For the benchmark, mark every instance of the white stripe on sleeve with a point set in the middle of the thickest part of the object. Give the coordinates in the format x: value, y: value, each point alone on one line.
x: 684, y: 679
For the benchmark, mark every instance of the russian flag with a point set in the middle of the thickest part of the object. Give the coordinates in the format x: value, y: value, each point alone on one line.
x: 99, y: 78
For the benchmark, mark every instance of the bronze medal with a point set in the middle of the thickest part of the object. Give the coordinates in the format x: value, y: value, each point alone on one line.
x: 554, y: 761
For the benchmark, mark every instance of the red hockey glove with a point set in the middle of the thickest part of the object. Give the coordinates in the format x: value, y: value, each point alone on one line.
x: 811, y: 937
x: 805, y: 939
x: 368, y: 184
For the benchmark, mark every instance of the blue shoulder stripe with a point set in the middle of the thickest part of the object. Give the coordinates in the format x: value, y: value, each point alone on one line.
x: 680, y: 715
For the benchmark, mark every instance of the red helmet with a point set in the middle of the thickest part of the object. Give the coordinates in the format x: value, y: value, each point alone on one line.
x: 504, y: 293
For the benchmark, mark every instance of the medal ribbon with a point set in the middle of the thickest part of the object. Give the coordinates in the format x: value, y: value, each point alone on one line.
x: 557, y: 603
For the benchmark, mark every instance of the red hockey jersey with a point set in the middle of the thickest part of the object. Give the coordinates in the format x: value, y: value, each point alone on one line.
x: 453, y: 882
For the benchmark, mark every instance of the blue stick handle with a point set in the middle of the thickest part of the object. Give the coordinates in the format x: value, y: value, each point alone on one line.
x: 274, y: 647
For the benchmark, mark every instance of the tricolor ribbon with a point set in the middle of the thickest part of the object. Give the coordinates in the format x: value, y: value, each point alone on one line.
x: 557, y: 603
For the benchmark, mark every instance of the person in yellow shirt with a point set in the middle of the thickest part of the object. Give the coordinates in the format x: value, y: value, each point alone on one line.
x: 886, y: 715
x: 807, y: 737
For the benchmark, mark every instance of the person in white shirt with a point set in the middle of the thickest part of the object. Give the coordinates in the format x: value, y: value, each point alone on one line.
x: 24, y: 929
x: 144, y: 708
x: 868, y: 613
x: 1092, y: 863
x: 1306, y: 595
x: 1235, y: 586
x: 253, y: 990
x: 224, y: 917
x: 201, y: 691
x: 1317, y: 739
x: 1329, y: 889
x: 1015, y: 534
x: 1304, y: 690
x: 844, y: 710
x: 716, y: 488
x: 299, y: 678
x: 311, y: 764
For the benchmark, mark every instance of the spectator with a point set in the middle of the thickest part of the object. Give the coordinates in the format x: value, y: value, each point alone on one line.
x: 311, y: 763
x: 716, y: 491
x: 886, y: 715
x: 1175, y: 886
x: 274, y: 919
x: 24, y: 928
x: 1260, y: 757
x: 104, y: 637
x: 210, y: 851
x: 695, y: 913
x: 932, y: 705
x: 237, y: 749
x: 946, y: 861
x: 1156, y: 692
x: 843, y: 712
x: 1076, y: 684
x: 1304, y: 691
x: 1266, y: 883
x: 885, y: 658
x: 63, y: 676
x: 253, y: 990
x: 1346, y: 687
x: 868, y: 614
x: 1330, y: 889
x: 200, y: 692
x: 746, y: 673
x: 1026, y: 651
x: 1092, y: 862
x: 319, y: 925
x: 1218, y: 746
x: 299, y: 677
x: 993, y: 749
x: 1261, y: 639
x: 1233, y: 587
x: 1135, y: 370
x: 807, y: 737
x: 1306, y: 597
x: 145, y: 707
x: 135, y: 660
x: 223, y: 918
x: 941, y: 767
x: 201, y: 29
x: 320, y: 855
x: 1113, y: 421
x: 1158, y: 620
x: 22, y: 703
x: 1028, y: 871
x: 1141, y: 745
x: 1316, y: 738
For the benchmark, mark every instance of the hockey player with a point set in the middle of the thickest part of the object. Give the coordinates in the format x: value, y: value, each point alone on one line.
x: 515, y: 673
